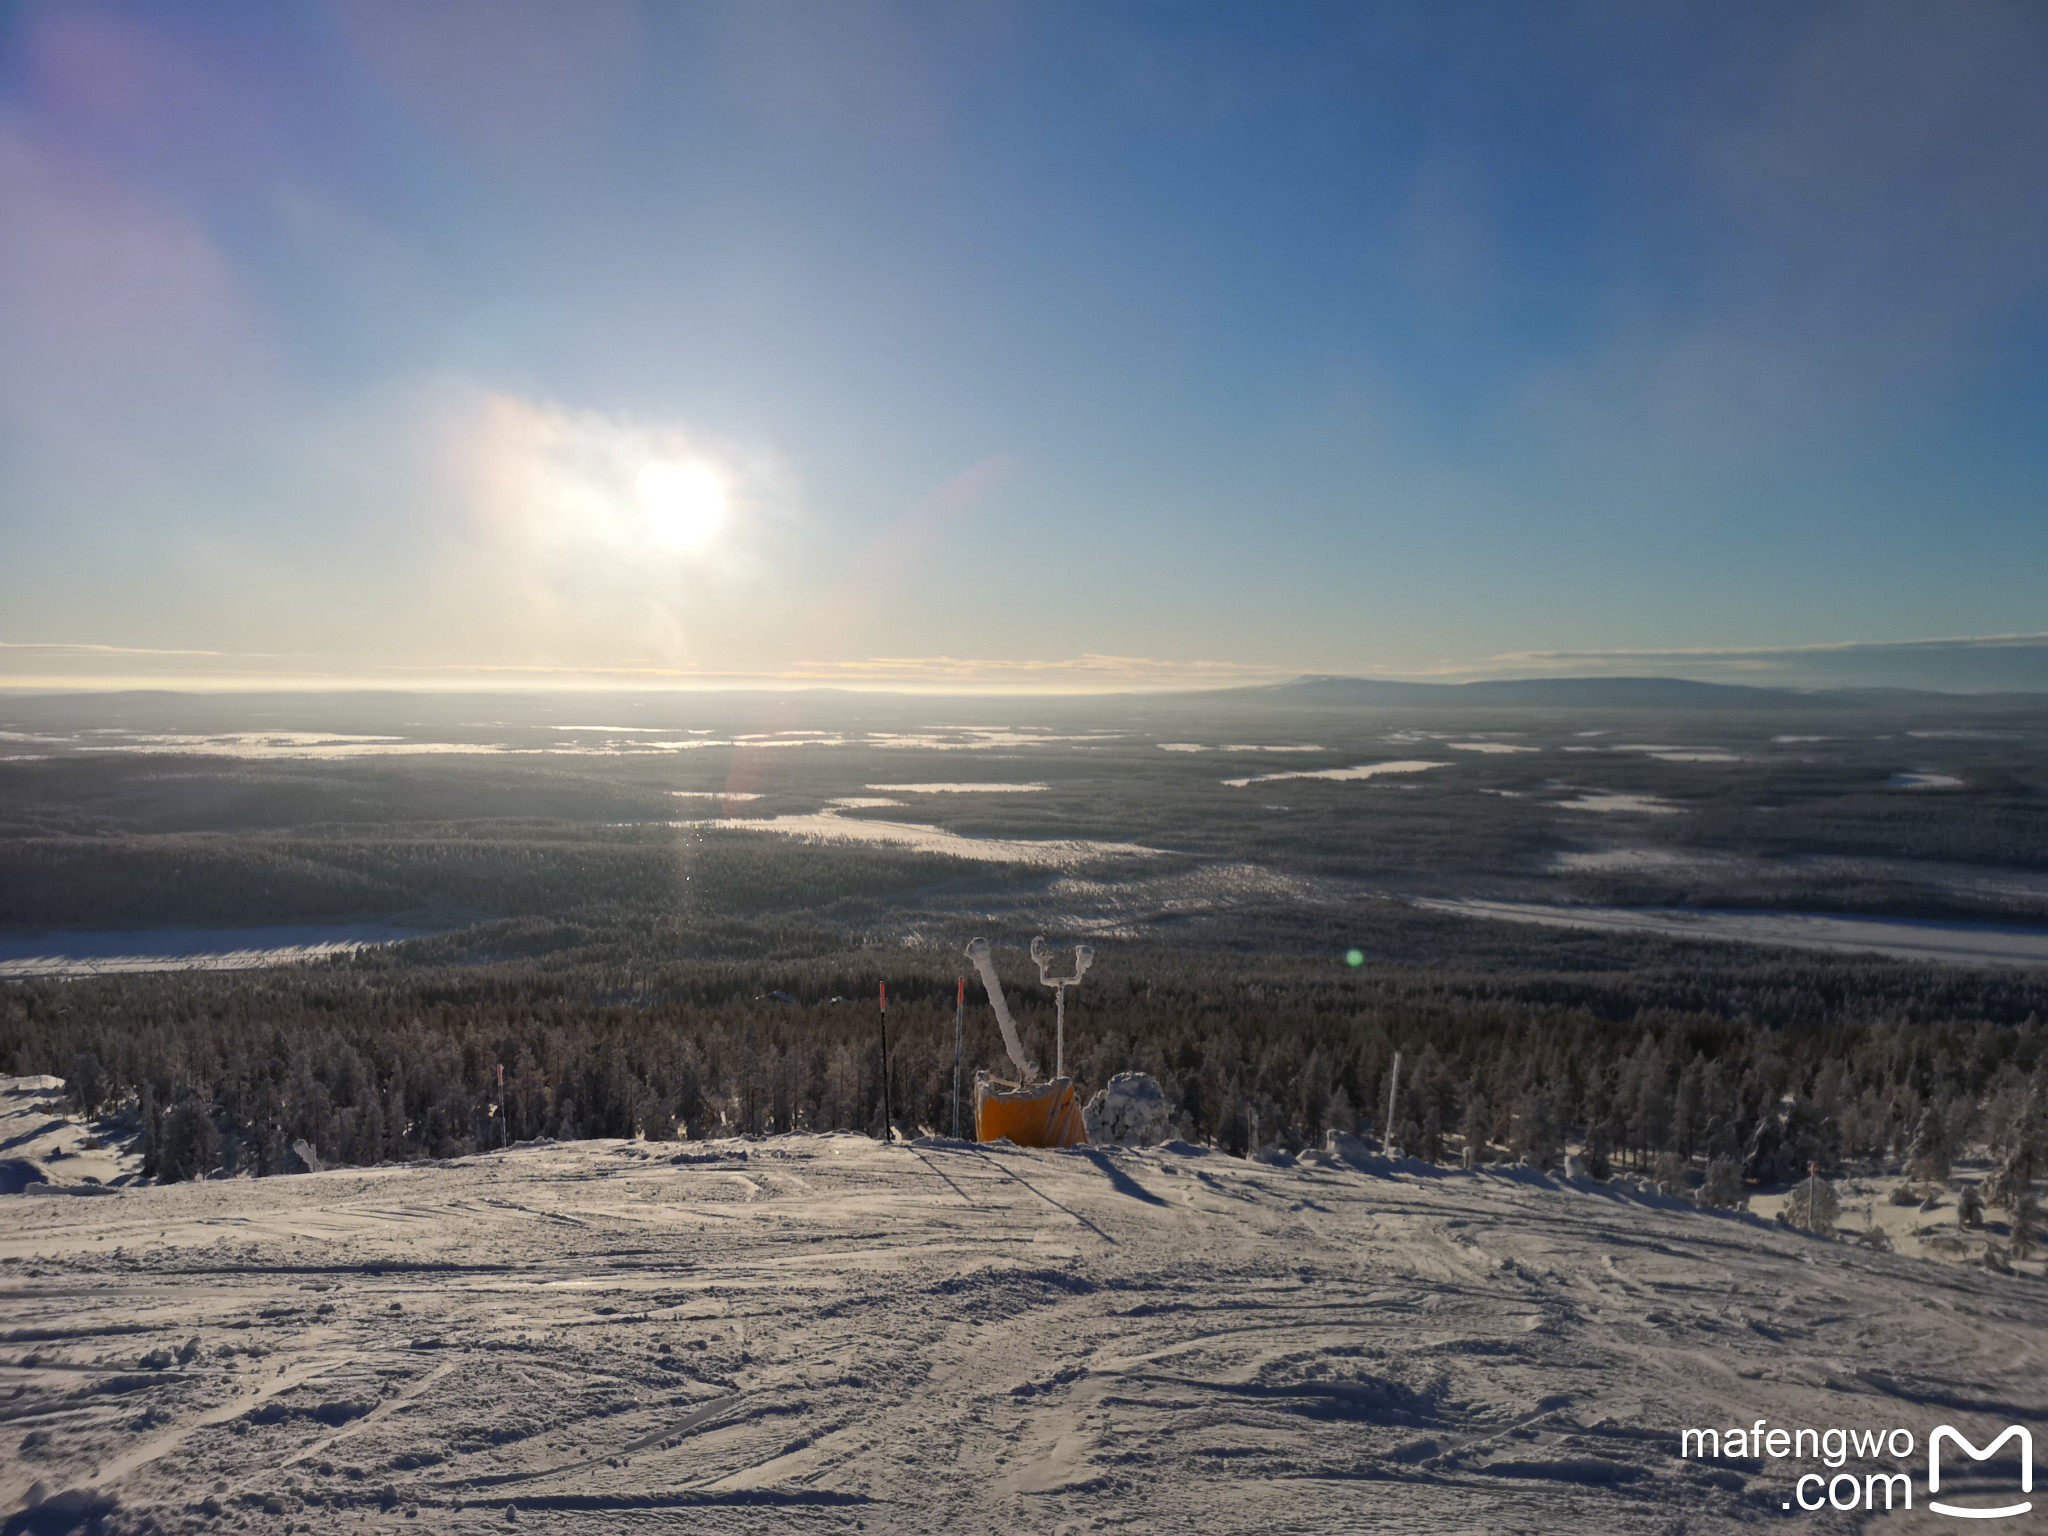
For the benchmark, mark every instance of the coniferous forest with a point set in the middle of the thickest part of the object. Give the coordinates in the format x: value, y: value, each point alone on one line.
x: 605, y: 948
x: 1770, y: 1066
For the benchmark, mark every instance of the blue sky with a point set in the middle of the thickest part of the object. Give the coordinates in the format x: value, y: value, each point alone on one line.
x: 1033, y: 345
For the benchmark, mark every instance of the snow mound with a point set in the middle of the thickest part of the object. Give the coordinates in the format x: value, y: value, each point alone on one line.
x: 53, y: 1149
x: 1346, y: 1147
x: 1130, y: 1112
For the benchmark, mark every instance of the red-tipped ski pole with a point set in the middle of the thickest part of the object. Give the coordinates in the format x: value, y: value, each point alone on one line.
x: 887, y: 1119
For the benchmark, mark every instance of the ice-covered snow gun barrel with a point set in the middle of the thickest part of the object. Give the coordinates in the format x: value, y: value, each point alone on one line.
x: 984, y: 962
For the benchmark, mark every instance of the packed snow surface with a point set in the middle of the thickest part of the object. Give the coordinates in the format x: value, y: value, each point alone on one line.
x: 824, y: 1333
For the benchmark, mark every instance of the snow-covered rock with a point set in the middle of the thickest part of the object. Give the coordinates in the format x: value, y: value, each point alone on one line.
x: 1130, y: 1112
x: 1342, y: 1144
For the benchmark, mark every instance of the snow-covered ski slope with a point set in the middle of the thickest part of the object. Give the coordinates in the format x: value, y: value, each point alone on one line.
x: 823, y: 1333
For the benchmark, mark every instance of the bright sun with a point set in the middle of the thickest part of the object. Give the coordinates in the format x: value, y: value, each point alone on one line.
x: 684, y: 503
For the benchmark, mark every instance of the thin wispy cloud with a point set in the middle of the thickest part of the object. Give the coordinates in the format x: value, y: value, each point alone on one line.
x: 40, y: 648
x: 1971, y: 663
x: 66, y: 668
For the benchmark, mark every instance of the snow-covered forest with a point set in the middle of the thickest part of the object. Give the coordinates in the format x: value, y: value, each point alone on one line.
x: 1772, y: 1067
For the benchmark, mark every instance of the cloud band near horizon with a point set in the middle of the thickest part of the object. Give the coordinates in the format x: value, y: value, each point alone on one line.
x: 1958, y: 664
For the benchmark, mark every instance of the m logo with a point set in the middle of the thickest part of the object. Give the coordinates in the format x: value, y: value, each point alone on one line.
x: 2013, y: 1431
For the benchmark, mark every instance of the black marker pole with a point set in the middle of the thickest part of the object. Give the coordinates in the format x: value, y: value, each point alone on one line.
x: 887, y: 1119
x: 959, y: 1030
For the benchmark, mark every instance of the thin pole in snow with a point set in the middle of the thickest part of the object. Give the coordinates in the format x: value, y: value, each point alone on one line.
x: 888, y: 1119
x: 1393, y: 1096
x: 959, y: 1036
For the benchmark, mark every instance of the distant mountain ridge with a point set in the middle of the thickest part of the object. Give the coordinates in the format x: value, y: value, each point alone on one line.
x: 1600, y: 693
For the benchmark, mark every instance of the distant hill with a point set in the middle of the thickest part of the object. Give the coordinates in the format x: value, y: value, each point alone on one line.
x: 1562, y: 693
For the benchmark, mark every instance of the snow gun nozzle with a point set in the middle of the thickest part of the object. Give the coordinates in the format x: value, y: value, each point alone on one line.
x: 1043, y: 954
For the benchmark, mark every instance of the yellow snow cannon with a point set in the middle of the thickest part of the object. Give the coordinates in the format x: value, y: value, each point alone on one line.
x: 1030, y: 1114
x: 1045, y: 1115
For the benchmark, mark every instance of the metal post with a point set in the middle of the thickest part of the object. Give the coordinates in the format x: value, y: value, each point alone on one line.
x: 1042, y: 957
x: 1393, y: 1097
x: 959, y: 1036
x: 888, y: 1119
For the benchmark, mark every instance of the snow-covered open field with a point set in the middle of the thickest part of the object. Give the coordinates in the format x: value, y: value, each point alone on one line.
x: 825, y: 1333
x: 1955, y: 943
x: 78, y: 952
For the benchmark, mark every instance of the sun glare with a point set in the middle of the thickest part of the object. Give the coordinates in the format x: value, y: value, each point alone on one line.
x: 684, y: 503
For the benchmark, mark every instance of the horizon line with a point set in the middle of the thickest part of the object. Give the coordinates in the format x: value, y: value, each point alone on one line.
x: 317, y: 684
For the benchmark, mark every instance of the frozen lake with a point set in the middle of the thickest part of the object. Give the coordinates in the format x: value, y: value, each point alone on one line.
x: 91, y: 952
x: 833, y: 825
x: 1952, y: 943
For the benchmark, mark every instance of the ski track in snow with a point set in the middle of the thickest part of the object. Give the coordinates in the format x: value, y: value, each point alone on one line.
x: 812, y: 1332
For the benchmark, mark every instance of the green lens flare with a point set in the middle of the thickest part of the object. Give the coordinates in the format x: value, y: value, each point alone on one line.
x: 1354, y: 957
